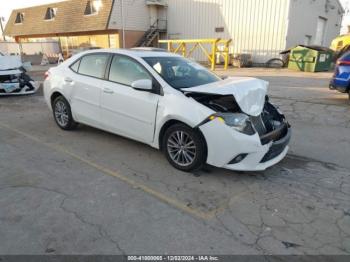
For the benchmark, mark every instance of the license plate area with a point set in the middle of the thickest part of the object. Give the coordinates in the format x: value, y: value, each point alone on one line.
x: 9, y: 87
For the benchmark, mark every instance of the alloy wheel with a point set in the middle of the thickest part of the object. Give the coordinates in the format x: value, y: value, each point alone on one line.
x: 61, y: 113
x: 181, y: 148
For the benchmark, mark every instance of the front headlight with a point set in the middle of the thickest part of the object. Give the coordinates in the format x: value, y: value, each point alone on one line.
x: 238, y: 121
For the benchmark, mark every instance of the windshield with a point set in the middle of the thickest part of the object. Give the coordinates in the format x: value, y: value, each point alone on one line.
x: 180, y: 72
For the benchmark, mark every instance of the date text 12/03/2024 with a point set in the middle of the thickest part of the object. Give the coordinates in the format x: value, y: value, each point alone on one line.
x: 173, y: 258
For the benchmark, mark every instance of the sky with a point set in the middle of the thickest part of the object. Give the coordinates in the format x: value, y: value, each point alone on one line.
x: 346, y: 19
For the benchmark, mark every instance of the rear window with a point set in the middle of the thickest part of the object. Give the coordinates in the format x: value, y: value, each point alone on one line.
x: 93, y: 65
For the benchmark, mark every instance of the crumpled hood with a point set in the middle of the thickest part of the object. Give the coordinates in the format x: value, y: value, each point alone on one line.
x: 10, y: 62
x: 249, y: 92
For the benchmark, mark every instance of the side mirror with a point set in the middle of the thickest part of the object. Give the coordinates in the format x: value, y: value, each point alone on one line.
x: 142, y: 85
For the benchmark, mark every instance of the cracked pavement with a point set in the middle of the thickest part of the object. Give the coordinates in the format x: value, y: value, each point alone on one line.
x: 90, y: 192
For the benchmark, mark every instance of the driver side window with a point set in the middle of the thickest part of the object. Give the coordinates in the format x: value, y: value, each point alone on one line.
x: 125, y: 71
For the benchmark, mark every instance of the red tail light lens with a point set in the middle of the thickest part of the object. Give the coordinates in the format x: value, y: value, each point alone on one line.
x: 47, y: 74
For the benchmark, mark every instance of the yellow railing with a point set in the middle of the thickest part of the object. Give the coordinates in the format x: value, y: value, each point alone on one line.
x: 187, y: 47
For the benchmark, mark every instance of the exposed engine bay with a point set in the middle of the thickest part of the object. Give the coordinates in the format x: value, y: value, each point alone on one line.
x: 13, y: 77
x: 271, y: 125
x: 19, y: 83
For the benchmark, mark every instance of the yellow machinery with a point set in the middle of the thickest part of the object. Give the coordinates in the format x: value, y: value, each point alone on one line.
x: 187, y: 47
x: 340, y: 42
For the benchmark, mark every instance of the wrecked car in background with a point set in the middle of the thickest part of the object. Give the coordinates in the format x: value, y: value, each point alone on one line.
x: 13, y: 77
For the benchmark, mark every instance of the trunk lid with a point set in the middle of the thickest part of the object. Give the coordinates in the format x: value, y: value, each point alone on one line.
x: 248, y: 92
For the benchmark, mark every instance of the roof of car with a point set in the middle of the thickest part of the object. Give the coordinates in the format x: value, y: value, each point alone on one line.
x: 135, y: 52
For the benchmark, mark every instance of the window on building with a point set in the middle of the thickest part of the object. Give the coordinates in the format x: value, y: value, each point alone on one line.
x: 19, y: 18
x: 93, y: 65
x: 219, y: 29
x: 50, y: 13
x: 125, y: 71
x: 90, y: 8
x: 307, y: 39
x: 320, y: 31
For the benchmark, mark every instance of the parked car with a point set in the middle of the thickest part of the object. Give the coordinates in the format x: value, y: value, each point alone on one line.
x: 172, y: 104
x: 341, y: 77
x: 13, y: 77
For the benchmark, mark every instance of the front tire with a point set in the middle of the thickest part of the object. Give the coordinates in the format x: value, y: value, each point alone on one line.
x: 184, y: 148
x: 62, y: 114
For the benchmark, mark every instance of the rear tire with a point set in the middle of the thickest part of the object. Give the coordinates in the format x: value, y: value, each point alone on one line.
x: 184, y: 148
x: 62, y: 114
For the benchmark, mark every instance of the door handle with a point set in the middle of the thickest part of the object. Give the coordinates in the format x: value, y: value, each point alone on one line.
x: 68, y: 80
x: 108, y: 91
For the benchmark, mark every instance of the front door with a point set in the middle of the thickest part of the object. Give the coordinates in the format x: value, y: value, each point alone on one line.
x: 124, y: 110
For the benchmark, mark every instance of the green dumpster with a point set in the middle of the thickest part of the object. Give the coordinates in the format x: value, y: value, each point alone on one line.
x: 310, y: 58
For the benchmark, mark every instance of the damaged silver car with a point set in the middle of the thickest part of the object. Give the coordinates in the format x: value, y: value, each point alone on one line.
x: 13, y: 77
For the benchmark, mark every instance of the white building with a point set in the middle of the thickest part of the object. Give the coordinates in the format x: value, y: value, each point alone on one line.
x: 346, y: 18
x: 262, y: 28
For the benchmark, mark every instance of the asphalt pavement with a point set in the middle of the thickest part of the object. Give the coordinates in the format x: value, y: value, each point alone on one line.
x: 92, y: 192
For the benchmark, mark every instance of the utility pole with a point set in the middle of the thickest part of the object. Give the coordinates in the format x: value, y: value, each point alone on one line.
x: 123, y: 21
x: 2, y: 19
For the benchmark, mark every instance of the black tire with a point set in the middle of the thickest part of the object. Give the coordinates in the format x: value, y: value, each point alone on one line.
x: 275, y: 63
x: 69, y: 123
x: 199, y: 158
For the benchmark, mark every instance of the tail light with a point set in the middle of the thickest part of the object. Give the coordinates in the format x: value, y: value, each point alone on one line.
x: 47, y: 74
x: 343, y: 62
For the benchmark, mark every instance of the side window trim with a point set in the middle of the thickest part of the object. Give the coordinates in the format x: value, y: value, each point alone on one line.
x: 103, y: 77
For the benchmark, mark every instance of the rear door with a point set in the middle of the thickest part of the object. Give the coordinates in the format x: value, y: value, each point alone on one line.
x: 87, y: 85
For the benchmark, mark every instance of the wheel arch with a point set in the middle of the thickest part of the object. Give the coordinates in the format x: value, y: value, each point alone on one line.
x: 54, y: 95
x: 172, y: 122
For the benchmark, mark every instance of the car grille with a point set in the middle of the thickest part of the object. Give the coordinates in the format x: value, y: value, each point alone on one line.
x: 268, y: 133
x: 259, y: 125
x: 278, y: 146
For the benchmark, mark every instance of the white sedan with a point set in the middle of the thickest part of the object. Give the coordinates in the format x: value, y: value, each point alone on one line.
x: 172, y: 104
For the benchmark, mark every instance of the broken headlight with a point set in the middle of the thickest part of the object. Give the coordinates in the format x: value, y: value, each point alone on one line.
x: 238, y: 121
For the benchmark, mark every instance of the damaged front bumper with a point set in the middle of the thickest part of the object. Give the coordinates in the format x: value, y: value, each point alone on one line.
x: 255, y: 153
x: 17, y: 84
x: 16, y: 89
